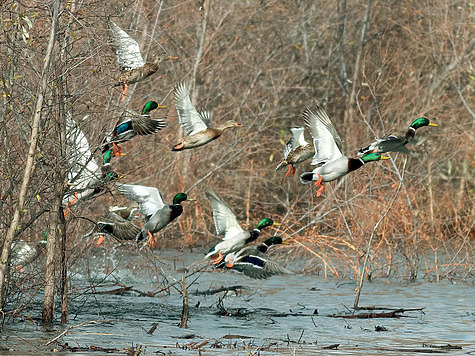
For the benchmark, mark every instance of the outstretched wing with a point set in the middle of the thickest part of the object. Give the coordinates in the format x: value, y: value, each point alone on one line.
x: 83, y: 167
x: 191, y: 120
x: 150, y: 199
x: 326, y: 141
x: 224, y: 219
x: 297, y: 139
x: 144, y: 125
x: 258, y: 266
x: 122, y: 229
x: 127, y: 49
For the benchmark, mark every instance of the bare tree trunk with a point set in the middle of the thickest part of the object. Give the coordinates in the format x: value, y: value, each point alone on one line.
x: 64, y: 268
x: 185, y: 310
x: 51, y: 253
x: 31, y: 155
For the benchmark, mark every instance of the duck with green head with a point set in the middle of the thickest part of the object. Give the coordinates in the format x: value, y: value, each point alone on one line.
x: 196, y: 125
x: 397, y: 143
x: 129, y: 58
x: 253, y: 261
x: 332, y: 163
x: 156, y: 213
x: 131, y: 124
x: 234, y: 236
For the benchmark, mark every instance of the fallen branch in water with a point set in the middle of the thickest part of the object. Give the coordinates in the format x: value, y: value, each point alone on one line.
x: 76, y: 326
x: 379, y: 307
x: 391, y: 314
x: 219, y: 290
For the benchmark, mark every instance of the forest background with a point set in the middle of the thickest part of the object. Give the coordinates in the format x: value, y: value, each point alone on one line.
x: 373, y: 65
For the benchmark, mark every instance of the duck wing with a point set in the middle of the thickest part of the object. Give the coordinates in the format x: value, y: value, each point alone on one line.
x: 258, y: 266
x: 144, y: 125
x: 190, y: 119
x: 122, y: 229
x: 326, y: 141
x: 297, y: 139
x: 150, y: 199
x: 127, y: 49
x: 84, y: 168
x: 224, y: 219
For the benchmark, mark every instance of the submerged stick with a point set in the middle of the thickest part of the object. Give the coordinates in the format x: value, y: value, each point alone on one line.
x: 185, y: 310
x: 74, y: 327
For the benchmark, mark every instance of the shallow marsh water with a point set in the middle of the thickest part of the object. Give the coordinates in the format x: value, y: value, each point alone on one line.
x: 270, y: 317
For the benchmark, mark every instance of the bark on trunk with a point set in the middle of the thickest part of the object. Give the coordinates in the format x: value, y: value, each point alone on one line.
x: 51, y: 253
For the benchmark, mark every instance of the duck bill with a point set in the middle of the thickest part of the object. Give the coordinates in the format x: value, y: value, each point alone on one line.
x: 384, y: 157
x: 239, y: 125
x: 276, y: 224
x: 171, y: 57
x: 161, y: 106
x: 432, y: 124
x: 190, y: 199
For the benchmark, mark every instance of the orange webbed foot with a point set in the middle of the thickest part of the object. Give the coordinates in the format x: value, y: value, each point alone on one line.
x: 229, y: 263
x: 320, y: 190
x: 117, y: 150
x: 73, y: 200
x: 99, y: 240
x: 289, y: 170
x: 180, y: 146
x: 293, y: 171
x: 125, y: 88
x: 152, y: 240
x: 219, y: 258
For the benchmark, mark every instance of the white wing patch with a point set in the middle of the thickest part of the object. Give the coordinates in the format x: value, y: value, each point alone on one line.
x: 324, y: 141
x: 127, y: 50
x: 84, y: 167
x: 150, y: 199
x: 190, y: 119
x: 224, y: 219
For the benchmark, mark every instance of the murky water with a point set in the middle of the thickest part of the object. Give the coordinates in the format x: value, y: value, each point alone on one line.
x: 270, y: 317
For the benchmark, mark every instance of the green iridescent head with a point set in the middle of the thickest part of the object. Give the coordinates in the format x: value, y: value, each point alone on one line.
x: 151, y: 105
x: 373, y: 157
x: 111, y: 176
x: 264, y: 223
x: 274, y: 240
x: 420, y: 122
x: 179, y: 198
x: 106, y: 158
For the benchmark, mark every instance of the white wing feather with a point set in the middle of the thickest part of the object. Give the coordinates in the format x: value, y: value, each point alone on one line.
x: 150, y: 199
x: 83, y: 167
x: 224, y: 219
x: 327, y: 144
x: 127, y: 49
x: 190, y: 119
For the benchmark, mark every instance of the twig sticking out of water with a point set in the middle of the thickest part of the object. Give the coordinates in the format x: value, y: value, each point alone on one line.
x: 76, y: 326
x: 185, y: 310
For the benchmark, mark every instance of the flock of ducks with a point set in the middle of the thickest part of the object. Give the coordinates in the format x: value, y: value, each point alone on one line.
x: 235, y: 250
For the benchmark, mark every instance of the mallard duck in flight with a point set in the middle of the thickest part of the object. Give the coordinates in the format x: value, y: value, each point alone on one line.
x: 154, y: 211
x: 253, y: 261
x: 131, y: 124
x: 296, y: 151
x: 332, y: 163
x: 129, y: 58
x: 196, y: 125
x: 234, y: 236
x: 397, y: 143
